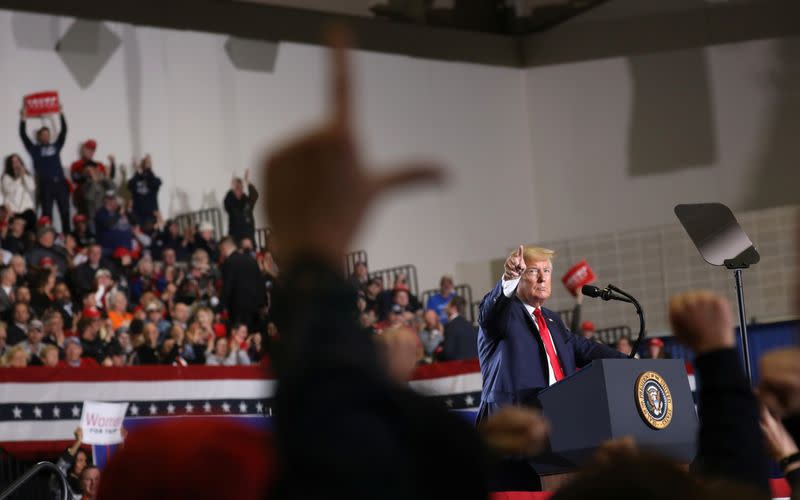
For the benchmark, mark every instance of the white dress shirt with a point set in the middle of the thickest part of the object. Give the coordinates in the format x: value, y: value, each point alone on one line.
x: 509, y: 289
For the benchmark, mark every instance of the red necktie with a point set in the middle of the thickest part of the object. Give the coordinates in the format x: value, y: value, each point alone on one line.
x: 547, y: 340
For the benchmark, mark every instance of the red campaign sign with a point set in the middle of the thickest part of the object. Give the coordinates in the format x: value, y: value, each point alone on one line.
x: 41, y: 103
x: 578, y: 275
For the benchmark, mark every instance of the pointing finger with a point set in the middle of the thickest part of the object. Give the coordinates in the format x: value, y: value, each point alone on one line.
x: 340, y: 98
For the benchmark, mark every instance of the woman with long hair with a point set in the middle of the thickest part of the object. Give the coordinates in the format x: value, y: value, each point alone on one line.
x: 19, y: 190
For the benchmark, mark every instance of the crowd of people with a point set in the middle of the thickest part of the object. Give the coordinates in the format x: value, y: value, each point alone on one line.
x: 116, y: 284
x: 346, y: 423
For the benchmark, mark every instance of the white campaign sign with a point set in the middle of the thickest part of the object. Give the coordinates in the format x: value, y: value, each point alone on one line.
x: 101, y: 422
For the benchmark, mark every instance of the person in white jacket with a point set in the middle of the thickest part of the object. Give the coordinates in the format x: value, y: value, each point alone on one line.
x: 19, y: 190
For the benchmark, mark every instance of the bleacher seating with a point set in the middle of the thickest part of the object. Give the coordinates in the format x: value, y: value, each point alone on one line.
x: 192, y: 219
x: 388, y: 276
x: 462, y: 290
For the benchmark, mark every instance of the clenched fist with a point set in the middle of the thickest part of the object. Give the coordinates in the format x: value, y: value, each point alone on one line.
x: 702, y: 321
x: 779, y: 381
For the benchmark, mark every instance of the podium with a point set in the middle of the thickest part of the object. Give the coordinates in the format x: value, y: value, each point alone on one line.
x: 649, y: 400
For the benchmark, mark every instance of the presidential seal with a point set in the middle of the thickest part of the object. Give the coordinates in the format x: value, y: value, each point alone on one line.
x: 654, y: 400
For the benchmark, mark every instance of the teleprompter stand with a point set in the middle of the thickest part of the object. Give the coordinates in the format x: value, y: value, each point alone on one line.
x: 721, y: 241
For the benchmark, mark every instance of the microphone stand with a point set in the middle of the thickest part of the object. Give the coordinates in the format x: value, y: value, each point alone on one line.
x: 639, y: 311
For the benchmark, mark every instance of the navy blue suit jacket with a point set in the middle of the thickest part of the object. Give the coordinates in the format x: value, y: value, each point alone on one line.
x: 512, y: 356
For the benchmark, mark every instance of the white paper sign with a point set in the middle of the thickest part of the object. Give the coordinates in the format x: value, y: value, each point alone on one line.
x: 101, y: 422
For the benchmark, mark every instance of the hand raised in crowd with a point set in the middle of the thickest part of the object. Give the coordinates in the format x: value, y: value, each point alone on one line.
x: 702, y: 320
x: 111, y: 159
x: 517, y: 431
x: 779, y: 381
x: 515, y: 265
x: 779, y: 442
x: 326, y: 166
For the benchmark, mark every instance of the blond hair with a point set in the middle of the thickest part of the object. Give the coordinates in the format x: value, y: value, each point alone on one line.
x: 532, y: 254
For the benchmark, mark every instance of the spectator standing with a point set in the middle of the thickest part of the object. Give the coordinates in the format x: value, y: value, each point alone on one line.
x: 83, y: 275
x: 144, y: 187
x: 114, y: 225
x: 50, y: 177
x: 239, y: 205
x: 243, y: 292
x: 19, y: 190
x: 432, y: 333
x: 624, y: 345
x: 77, y: 171
x: 460, y: 337
x: 170, y: 238
x: 438, y: 301
x: 93, y: 189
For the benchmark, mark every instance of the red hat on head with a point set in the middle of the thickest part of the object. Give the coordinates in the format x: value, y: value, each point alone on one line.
x: 45, y: 261
x: 43, y: 221
x: 79, y: 218
x: 219, y: 329
x: 121, y: 252
x: 90, y: 144
x: 587, y: 326
x: 656, y: 341
x: 90, y: 312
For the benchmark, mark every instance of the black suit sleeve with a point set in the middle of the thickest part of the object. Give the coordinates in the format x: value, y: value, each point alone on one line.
x: 730, y: 443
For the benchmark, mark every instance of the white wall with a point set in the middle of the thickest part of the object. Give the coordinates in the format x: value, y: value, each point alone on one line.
x: 176, y: 95
x: 717, y: 124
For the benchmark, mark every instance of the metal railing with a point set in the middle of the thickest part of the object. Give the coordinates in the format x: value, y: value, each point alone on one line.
x: 262, y: 237
x: 389, y: 275
x: 464, y: 291
x: 353, y: 258
x: 612, y: 334
x: 193, y: 219
x: 30, y: 473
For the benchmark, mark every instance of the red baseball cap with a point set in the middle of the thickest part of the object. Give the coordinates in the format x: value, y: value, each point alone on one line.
x: 656, y: 341
x: 90, y: 144
x: 79, y: 218
x: 587, y: 326
x: 43, y: 221
x: 121, y: 252
x: 90, y: 312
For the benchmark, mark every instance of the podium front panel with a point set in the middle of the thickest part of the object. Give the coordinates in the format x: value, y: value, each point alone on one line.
x: 601, y: 402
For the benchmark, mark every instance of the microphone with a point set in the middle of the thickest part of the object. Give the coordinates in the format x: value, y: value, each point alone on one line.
x: 603, y: 293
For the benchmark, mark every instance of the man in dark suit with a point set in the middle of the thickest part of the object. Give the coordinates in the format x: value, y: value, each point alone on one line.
x: 460, y: 337
x: 524, y: 347
x: 244, y: 292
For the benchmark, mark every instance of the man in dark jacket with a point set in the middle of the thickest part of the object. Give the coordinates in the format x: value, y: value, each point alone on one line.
x: 46, y: 156
x: 114, y: 225
x: 239, y: 205
x: 244, y: 294
x: 144, y: 186
x: 460, y: 337
x: 46, y: 247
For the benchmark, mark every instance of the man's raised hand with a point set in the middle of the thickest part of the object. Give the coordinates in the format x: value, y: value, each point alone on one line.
x: 515, y: 264
x: 702, y: 321
x: 318, y: 189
